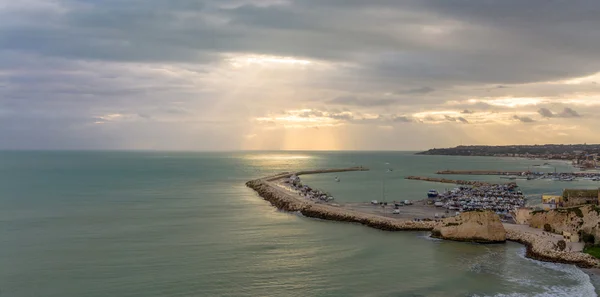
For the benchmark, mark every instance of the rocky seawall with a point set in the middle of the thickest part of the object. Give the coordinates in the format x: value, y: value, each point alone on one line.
x: 283, y: 200
x: 450, y: 181
x: 543, y: 250
x: 473, y: 226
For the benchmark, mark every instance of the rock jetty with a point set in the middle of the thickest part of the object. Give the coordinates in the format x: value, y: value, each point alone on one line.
x: 450, y: 181
x: 473, y: 226
x: 479, y: 172
x: 287, y: 201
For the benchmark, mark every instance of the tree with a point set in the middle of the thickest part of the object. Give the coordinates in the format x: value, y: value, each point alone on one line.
x: 547, y: 228
x: 561, y: 245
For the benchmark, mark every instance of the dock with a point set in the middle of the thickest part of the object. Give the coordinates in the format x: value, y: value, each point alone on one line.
x: 481, y: 172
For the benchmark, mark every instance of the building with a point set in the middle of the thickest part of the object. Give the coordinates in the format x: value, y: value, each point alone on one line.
x: 551, y: 202
x: 577, y: 197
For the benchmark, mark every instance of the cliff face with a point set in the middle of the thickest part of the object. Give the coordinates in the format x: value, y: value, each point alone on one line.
x: 586, y: 218
x: 475, y: 226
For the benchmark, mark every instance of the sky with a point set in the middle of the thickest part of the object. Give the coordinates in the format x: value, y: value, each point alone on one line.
x: 297, y: 74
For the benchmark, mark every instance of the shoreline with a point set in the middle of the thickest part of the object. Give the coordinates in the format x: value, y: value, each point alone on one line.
x: 537, y: 247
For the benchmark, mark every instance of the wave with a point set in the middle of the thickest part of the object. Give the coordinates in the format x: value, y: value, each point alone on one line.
x: 584, y: 287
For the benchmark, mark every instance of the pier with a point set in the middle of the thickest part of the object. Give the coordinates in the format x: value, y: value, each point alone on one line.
x: 481, y: 172
x: 450, y: 181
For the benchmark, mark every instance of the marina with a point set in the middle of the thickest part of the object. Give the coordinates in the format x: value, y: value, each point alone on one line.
x: 500, y: 198
x: 530, y: 175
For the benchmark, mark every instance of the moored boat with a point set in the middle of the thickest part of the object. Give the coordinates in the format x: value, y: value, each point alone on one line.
x: 432, y: 194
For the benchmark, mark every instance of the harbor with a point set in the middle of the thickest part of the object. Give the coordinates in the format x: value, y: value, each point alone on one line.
x: 286, y: 192
x: 529, y: 175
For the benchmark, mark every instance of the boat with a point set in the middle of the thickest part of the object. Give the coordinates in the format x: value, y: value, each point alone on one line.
x: 432, y: 194
x: 374, y: 202
x: 396, y: 211
x: 407, y: 202
x: 337, y: 179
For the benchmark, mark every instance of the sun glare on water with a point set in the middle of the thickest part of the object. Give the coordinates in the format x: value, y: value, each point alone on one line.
x: 277, y: 157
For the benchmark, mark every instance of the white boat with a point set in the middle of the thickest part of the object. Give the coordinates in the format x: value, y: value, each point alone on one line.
x: 337, y: 179
x: 396, y: 211
x: 407, y: 202
x: 374, y: 202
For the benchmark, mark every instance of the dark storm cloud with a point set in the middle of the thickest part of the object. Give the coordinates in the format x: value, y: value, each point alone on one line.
x: 470, y: 41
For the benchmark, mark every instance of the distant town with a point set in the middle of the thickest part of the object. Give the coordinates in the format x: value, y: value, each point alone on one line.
x: 583, y: 155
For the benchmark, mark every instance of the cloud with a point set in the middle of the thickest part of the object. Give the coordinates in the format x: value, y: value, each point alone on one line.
x: 365, y: 102
x: 456, y: 119
x: 523, y: 119
x: 190, y: 71
x: 422, y: 90
x: 566, y: 113
x: 569, y: 113
x: 545, y: 112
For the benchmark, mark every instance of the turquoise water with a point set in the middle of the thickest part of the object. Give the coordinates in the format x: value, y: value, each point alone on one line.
x: 184, y: 224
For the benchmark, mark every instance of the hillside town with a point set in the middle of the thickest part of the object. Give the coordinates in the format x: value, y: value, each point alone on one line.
x: 582, y: 155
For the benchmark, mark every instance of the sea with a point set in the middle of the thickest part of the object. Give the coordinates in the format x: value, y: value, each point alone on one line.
x: 144, y: 224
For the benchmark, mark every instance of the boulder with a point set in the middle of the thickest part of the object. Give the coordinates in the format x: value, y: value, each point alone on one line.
x: 473, y: 226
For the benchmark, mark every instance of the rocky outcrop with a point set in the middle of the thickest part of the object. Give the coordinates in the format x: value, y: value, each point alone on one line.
x: 585, y: 218
x: 541, y: 249
x: 474, y: 226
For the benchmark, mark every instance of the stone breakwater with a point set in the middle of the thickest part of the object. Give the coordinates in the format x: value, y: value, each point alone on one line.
x: 450, y: 181
x: 286, y: 201
x: 479, y: 172
x: 539, y: 248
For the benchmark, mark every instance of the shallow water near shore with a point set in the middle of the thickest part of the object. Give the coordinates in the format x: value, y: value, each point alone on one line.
x: 184, y: 224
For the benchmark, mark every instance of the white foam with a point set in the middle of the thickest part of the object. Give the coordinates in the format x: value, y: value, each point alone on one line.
x: 585, y: 288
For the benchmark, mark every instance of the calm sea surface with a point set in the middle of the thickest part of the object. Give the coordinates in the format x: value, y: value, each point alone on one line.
x: 149, y: 224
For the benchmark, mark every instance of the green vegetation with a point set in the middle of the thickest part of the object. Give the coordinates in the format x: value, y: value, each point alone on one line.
x: 576, y: 210
x: 592, y: 250
x: 452, y: 224
x: 587, y: 238
x: 538, y: 211
x: 562, y: 245
x: 547, y: 228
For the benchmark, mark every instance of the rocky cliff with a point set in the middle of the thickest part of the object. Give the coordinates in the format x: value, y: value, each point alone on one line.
x: 586, y: 218
x: 475, y: 226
